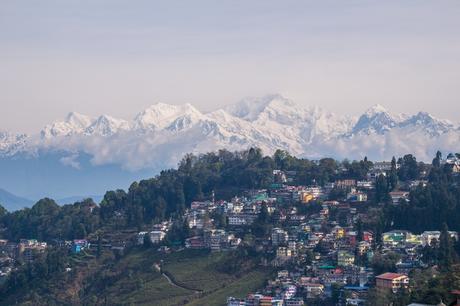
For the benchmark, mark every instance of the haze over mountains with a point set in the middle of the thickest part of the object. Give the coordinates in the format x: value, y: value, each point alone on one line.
x: 158, y: 137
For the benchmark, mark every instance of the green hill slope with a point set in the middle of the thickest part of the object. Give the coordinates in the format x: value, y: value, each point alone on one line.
x: 188, y: 277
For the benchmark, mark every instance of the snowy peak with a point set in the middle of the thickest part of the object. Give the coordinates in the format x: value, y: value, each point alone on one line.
x: 10, y: 143
x: 375, y: 110
x: 164, y: 132
x: 161, y: 115
x: 251, y: 109
x: 376, y: 120
x: 107, y: 126
x: 78, y: 120
x: 74, y: 123
x: 429, y: 124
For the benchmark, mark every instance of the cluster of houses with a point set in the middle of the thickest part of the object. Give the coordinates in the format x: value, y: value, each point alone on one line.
x: 23, y: 251
x: 313, y: 250
x: 314, y: 253
x: 27, y: 250
x: 156, y: 235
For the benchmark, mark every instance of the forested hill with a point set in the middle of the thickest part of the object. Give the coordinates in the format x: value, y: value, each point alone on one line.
x: 228, y: 173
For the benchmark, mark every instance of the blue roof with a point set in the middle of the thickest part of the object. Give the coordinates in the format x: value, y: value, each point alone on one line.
x: 355, y: 287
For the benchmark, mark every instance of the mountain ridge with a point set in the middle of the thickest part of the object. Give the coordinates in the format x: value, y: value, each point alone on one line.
x: 13, y: 202
x: 167, y: 132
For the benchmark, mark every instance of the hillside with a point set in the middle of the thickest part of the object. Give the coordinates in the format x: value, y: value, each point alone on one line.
x: 196, y: 276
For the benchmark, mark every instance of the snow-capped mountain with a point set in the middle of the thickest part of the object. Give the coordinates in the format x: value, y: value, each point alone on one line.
x: 376, y: 120
x: 159, y: 135
x: 107, y: 126
x: 431, y: 125
x: 271, y: 122
x: 74, y: 123
x: 11, y: 144
x: 96, y: 154
x: 160, y: 116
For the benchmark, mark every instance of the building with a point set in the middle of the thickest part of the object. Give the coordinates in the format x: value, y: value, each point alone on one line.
x: 289, y: 292
x: 344, y: 184
x: 363, y: 247
x: 140, y: 237
x: 365, y: 184
x: 391, y: 281
x: 157, y: 236
x: 241, y: 219
x: 27, y: 248
x: 345, y: 258
x: 216, y: 239
x: 397, y: 196
x: 305, y: 197
x: 382, y: 166
x: 394, y: 238
x: 279, y: 236
x: 79, y: 245
x: 196, y: 242
x: 283, y: 253
x: 294, y: 302
x: 231, y: 301
x: 195, y: 221
x: 357, y: 197
x: 428, y: 237
x: 313, y: 289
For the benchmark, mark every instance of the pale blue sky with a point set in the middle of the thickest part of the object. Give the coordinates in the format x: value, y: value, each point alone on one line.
x: 118, y: 57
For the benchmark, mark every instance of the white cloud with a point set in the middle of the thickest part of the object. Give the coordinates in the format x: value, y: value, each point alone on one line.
x: 71, y: 160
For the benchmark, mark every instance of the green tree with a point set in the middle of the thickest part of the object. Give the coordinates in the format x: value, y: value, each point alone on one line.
x: 408, y: 168
x: 393, y: 175
x: 446, y: 251
x: 381, y: 189
x: 3, y: 211
x: 437, y: 160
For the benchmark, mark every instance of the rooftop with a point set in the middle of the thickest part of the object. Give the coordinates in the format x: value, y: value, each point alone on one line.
x: 389, y: 276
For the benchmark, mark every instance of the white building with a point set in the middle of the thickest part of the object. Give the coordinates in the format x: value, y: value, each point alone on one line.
x: 279, y: 236
x: 157, y: 236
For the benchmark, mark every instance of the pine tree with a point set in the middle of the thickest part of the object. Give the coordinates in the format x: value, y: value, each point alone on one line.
x: 381, y: 189
x: 393, y: 177
x: 437, y: 160
x: 445, y: 249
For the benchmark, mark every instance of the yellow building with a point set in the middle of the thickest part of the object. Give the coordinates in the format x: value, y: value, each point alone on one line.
x: 306, y: 197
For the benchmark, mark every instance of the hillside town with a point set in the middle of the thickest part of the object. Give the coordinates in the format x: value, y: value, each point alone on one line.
x: 317, y: 239
x: 318, y: 247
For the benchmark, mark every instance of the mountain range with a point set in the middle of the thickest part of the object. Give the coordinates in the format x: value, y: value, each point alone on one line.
x: 13, y: 202
x: 160, y: 135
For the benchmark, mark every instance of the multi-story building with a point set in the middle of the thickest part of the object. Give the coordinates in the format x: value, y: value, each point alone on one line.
x: 279, y: 236
x: 283, y: 253
x: 157, y: 236
x: 240, y: 219
x: 391, y: 281
x: 345, y: 258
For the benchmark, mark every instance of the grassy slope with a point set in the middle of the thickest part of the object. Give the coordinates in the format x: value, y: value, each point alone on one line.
x: 133, y: 280
x: 249, y: 283
x: 196, y: 270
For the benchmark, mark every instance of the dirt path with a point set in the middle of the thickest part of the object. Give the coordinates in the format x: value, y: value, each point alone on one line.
x: 172, y: 282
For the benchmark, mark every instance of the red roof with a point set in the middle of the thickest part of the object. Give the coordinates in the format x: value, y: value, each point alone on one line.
x: 389, y: 276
